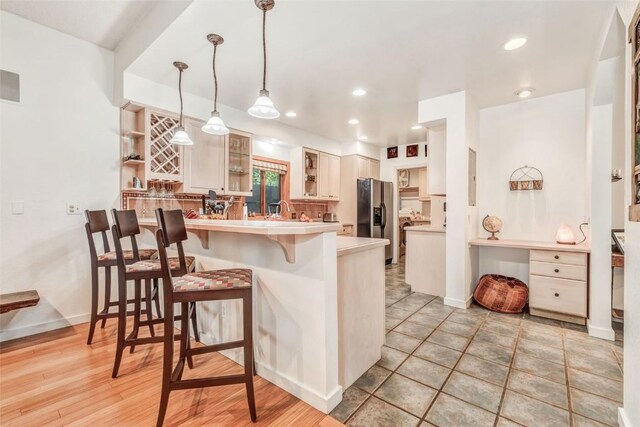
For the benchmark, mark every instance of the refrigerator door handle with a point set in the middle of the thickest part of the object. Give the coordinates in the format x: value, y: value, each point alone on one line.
x: 384, y: 215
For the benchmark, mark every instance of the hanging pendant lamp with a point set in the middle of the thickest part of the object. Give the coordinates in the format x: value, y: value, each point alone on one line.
x: 180, y: 136
x: 263, y: 107
x: 215, y: 125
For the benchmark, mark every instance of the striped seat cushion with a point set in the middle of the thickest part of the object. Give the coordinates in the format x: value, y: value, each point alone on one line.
x: 214, y: 279
x: 154, y: 264
x: 128, y: 255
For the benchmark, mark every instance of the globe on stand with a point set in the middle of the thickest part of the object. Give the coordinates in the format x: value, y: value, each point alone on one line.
x: 493, y: 225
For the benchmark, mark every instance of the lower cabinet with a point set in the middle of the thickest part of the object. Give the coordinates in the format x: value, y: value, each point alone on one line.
x: 558, y: 285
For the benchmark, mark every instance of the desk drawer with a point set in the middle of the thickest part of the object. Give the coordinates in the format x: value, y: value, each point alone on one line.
x: 559, y: 295
x: 574, y: 258
x: 561, y: 271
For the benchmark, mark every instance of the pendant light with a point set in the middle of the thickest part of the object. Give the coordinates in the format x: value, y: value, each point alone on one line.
x: 180, y: 136
x: 215, y: 125
x: 263, y: 107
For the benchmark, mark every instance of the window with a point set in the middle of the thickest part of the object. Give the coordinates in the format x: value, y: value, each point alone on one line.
x: 269, y: 177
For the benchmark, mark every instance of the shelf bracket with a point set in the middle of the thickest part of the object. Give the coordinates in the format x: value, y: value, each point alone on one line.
x: 288, y: 244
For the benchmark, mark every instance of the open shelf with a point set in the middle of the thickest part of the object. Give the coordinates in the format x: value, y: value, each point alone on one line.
x: 132, y: 162
x: 133, y: 134
x: 134, y: 189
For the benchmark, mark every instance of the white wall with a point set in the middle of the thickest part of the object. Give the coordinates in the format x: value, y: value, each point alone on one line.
x: 547, y: 133
x: 361, y: 148
x: 454, y: 110
x: 58, y: 145
x: 138, y: 89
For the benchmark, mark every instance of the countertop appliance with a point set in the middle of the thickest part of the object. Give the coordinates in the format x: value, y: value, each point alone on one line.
x: 329, y: 217
x: 375, y: 212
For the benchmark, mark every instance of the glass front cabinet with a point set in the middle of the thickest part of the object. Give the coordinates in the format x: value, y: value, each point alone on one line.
x: 239, y: 163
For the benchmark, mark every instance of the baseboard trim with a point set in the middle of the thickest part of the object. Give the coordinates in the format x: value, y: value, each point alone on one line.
x: 26, y: 331
x: 322, y: 403
x: 602, y: 333
x: 458, y: 303
x: 623, y: 420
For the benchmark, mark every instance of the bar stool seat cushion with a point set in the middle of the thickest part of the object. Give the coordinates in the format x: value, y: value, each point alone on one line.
x: 214, y: 279
x: 154, y: 264
x: 145, y: 254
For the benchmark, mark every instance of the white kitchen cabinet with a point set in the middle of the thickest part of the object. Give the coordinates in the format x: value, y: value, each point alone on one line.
x: 204, y: 161
x: 436, y: 161
x: 239, y: 163
x: 323, y: 176
x: 334, y: 177
x: 423, y: 187
x: 364, y: 168
x: 374, y: 168
x: 314, y: 175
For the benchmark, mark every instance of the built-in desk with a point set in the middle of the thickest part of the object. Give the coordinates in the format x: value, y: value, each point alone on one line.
x: 558, y: 277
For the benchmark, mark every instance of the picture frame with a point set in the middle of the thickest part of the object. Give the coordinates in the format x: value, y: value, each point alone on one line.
x: 617, y: 235
x: 412, y: 150
x: 392, y: 152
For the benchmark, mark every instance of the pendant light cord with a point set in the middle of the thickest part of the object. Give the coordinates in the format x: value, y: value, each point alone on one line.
x: 264, y: 49
x: 215, y: 80
x: 180, y: 92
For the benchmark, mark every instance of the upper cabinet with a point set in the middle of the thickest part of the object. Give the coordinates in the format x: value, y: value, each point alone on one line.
x: 314, y: 175
x: 204, y: 161
x: 220, y: 163
x: 368, y: 168
x: 238, y: 180
x: 164, y: 161
x: 329, y: 177
x: 437, y: 161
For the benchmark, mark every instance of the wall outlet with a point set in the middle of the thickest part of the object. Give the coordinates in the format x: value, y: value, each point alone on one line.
x: 74, y: 208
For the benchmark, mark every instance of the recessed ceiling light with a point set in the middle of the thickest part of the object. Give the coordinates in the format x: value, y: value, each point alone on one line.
x: 291, y: 114
x: 524, y: 93
x: 275, y: 141
x: 359, y: 92
x: 362, y: 138
x: 417, y: 127
x: 514, y: 44
x: 354, y: 121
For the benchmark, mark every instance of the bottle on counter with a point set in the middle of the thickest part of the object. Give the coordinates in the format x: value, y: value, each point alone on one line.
x: 245, y: 212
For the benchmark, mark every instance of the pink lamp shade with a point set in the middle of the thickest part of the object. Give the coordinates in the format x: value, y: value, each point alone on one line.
x: 565, y: 235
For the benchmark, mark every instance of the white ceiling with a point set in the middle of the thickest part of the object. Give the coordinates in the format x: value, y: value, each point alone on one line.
x: 400, y: 51
x: 102, y: 22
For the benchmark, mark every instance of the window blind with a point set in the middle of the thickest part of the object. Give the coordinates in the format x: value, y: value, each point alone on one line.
x: 269, y: 166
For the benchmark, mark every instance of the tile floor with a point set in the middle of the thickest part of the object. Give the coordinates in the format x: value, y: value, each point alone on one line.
x: 447, y: 367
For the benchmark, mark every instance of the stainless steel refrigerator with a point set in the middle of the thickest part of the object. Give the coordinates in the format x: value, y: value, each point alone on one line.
x: 375, y: 212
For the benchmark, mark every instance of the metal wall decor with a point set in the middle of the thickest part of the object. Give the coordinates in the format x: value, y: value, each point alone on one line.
x: 526, y: 178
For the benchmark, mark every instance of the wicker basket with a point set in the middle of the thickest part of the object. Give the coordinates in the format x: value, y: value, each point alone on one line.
x: 501, y: 293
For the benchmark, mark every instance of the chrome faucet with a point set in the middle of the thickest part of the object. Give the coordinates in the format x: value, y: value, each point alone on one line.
x: 278, y: 206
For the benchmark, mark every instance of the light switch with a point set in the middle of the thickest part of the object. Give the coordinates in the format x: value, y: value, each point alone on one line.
x: 17, y: 207
x: 74, y: 208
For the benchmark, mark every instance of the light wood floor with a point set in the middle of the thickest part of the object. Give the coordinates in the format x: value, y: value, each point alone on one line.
x: 56, y: 379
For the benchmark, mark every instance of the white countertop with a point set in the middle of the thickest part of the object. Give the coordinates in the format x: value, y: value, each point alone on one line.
x: 426, y: 229
x: 348, y: 245
x: 530, y: 244
x: 268, y: 228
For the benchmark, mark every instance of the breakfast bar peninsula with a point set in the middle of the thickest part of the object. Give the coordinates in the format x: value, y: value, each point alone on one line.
x: 318, y: 301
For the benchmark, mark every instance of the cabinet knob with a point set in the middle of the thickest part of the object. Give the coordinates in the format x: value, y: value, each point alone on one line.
x: 557, y: 257
x: 557, y: 294
x: 557, y: 270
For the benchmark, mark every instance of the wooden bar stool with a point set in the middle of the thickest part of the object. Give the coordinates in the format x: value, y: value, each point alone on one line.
x: 97, y: 223
x: 125, y: 224
x: 212, y: 285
